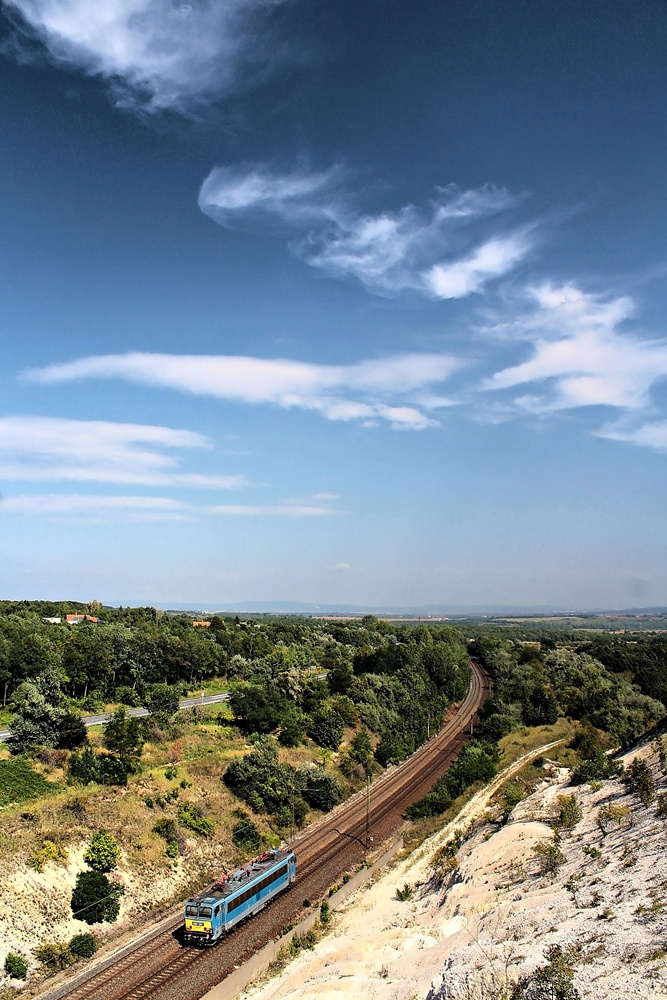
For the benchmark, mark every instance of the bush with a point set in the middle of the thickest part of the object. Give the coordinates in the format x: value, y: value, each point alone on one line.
x: 260, y: 780
x: 191, y: 817
x: 49, y: 851
x: 172, y: 849
x: 16, y: 966
x: 72, y: 732
x: 550, y: 855
x: 128, y: 696
x: 320, y: 789
x: 162, y: 702
x: 54, y: 956
x: 638, y: 780
x: 103, y: 852
x: 476, y: 762
x: 325, y: 913
x: 258, y: 709
x: 361, y: 748
x: 512, y: 794
x: 95, y: 898
x: 327, y: 729
x: 569, y: 811
x: 246, y: 835
x: 291, y: 733
x: 166, y: 828
x: 83, y: 945
x: 405, y: 894
x: 105, y: 769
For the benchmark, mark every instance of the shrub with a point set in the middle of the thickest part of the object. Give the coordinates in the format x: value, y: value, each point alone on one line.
x: 95, y: 898
x: 569, y: 811
x: 105, y: 769
x: 405, y: 894
x: 325, y: 913
x: 172, y: 849
x: 662, y: 804
x: 246, y: 835
x: 171, y: 773
x: 166, y: 828
x: 162, y: 702
x: 49, y: 851
x: 128, y: 696
x: 103, y: 852
x: 321, y: 790
x: 54, y: 956
x: 327, y: 729
x: 191, y: 817
x: 16, y: 966
x: 72, y: 732
x: 291, y: 733
x: 638, y: 780
x: 361, y: 748
x: 512, y: 794
x: 612, y: 814
x: 83, y: 945
x: 550, y: 855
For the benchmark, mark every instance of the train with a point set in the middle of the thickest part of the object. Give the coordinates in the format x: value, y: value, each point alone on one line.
x: 235, y: 897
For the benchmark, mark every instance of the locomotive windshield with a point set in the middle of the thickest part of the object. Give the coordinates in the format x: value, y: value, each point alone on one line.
x: 205, y: 911
x: 191, y: 910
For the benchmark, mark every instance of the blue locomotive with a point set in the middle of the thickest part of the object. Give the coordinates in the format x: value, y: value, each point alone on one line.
x: 234, y: 897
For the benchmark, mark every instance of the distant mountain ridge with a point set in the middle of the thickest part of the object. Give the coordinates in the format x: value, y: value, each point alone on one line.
x: 424, y: 611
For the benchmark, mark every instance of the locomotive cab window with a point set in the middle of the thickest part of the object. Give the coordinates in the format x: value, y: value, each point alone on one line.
x: 191, y: 911
x: 204, y: 911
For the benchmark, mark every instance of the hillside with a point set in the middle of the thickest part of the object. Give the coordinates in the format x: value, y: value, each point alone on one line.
x: 496, y: 914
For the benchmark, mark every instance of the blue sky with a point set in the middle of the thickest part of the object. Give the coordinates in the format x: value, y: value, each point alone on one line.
x: 344, y: 303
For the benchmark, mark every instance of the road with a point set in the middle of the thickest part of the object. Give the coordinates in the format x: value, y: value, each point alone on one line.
x: 162, y: 969
x: 137, y: 713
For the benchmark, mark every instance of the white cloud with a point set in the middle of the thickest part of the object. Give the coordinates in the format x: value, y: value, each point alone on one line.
x: 54, y: 449
x: 649, y: 435
x: 491, y: 260
x: 580, y: 357
x: 426, y: 251
x: 375, y: 385
x: 146, y: 508
x: 299, y: 197
x: 156, y: 54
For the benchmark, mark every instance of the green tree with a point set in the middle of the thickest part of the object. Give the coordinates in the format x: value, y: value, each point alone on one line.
x: 553, y: 981
x: 638, y: 779
x: 103, y: 853
x: 259, y: 710
x: 291, y: 732
x: 16, y: 966
x: 162, y: 702
x: 361, y: 748
x: 123, y: 735
x: 105, y: 769
x: 83, y: 945
x: 327, y: 729
x: 319, y: 788
x: 95, y: 898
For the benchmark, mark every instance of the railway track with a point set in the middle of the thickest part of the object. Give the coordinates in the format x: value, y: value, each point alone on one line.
x: 162, y: 969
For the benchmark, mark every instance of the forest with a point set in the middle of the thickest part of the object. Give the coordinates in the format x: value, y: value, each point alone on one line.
x: 298, y: 679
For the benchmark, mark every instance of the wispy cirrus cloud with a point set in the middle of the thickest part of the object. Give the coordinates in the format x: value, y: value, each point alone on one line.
x: 436, y: 251
x: 56, y: 449
x: 155, y: 54
x: 385, y: 390
x: 142, y: 508
x: 580, y: 355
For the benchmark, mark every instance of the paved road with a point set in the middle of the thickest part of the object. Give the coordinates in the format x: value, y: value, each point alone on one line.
x: 98, y: 720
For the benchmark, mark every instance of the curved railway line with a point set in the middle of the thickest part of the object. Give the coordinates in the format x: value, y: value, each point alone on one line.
x: 162, y: 969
